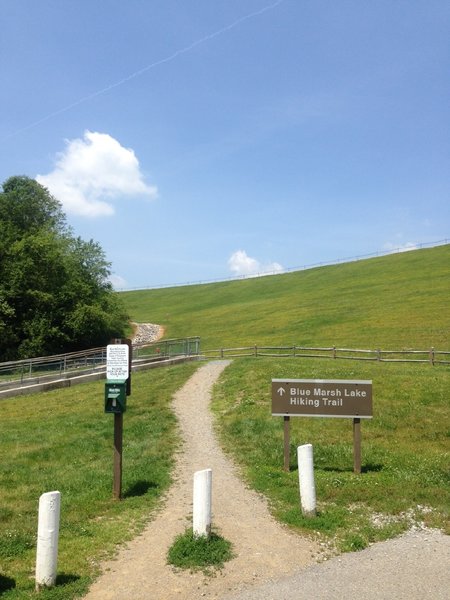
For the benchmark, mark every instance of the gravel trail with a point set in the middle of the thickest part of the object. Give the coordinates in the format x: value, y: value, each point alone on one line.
x: 271, y: 563
x: 415, y: 566
x: 264, y: 550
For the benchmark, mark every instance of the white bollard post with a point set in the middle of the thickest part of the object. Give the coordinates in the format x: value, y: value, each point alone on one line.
x: 306, y: 480
x: 202, y: 503
x: 47, y: 539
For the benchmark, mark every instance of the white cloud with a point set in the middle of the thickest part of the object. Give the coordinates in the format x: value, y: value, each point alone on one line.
x: 392, y: 247
x: 117, y: 282
x: 242, y: 264
x: 91, y: 172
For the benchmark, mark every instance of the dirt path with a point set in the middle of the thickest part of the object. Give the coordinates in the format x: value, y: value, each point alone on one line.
x: 264, y: 549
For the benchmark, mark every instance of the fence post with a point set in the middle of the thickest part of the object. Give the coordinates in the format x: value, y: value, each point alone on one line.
x: 334, y: 351
x: 256, y: 350
x: 432, y: 356
x: 378, y: 354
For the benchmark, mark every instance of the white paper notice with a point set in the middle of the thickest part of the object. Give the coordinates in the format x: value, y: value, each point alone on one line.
x: 117, y: 361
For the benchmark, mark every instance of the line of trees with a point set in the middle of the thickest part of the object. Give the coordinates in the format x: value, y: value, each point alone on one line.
x: 55, y: 293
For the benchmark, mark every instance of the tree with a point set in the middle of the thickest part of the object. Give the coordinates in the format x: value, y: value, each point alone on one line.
x: 55, y: 295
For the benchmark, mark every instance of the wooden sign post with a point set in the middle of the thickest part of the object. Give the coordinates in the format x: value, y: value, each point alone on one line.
x: 323, y: 398
x: 287, y: 442
x: 118, y: 374
x: 357, y: 445
x: 117, y: 468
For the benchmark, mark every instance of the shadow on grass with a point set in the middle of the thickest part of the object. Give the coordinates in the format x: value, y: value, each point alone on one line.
x: 140, y: 488
x: 6, y: 583
x: 372, y: 468
x: 65, y: 578
x: 368, y: 468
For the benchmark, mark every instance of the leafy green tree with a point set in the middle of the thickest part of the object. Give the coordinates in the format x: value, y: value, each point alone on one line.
x: 55, y: 295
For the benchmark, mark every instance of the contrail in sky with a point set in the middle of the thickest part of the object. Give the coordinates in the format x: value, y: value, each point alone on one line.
x: 140, y: 72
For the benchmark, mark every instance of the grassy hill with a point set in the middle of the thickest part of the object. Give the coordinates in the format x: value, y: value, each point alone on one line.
x: 392, y: 302
x: 63, y: 440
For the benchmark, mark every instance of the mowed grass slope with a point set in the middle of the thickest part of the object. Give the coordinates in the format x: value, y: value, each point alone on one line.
x: 392, y: 302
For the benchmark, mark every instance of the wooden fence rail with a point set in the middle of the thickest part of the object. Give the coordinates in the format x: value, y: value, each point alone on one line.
x: 431, y: 356
x: 96, y: 358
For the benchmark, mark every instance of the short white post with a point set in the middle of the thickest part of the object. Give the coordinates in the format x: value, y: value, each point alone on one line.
x: 202, y: 503
x: 306, y: 480
x: 47, y: 539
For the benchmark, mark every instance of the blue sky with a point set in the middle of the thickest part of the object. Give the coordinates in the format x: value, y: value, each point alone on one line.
x: 203, y: 139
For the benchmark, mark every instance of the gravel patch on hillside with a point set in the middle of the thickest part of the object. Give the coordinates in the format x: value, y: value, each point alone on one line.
x: 146, y: 333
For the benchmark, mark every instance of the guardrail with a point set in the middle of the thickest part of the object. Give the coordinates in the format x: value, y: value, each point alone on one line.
x: 33, y: 370
x: 189, y: 346
x: 326, y: 263
x: 431, y: 356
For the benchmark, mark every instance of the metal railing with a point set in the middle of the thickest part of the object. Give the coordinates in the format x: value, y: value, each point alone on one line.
x: 189, y: 346
x: 305, y: 267
x: 35, y: 370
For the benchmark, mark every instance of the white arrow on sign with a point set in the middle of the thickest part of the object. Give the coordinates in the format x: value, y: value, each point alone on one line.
x: 281, y: 391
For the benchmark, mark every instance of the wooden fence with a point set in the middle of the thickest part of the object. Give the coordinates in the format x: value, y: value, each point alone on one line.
x: 90, y: 360
x: 431, y: 356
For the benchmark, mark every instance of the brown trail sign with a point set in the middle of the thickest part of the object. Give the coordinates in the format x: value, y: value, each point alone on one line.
x: 323, y: 398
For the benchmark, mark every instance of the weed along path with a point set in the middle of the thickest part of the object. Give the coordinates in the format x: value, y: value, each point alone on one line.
x: 264, y: 550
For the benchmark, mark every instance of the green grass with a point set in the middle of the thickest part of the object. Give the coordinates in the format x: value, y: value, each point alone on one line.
x: 405, y: 448
x: 392, y: 302
x: 199, y: 552
x: 63, y: 440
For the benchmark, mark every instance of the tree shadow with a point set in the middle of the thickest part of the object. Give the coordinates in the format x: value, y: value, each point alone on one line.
x: 140, y: 488
x: 6, y: 583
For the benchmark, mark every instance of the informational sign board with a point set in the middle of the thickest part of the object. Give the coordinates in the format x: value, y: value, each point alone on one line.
x: 117, y: 361
x: 322, y: 398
